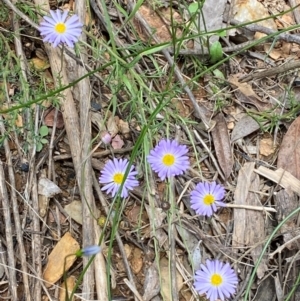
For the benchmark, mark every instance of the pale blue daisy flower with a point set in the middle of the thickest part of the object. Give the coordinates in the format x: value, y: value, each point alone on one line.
x: 88, y: 251
x: 113, y: 174
x: 169, y: 158
x: 206, y: 197
x: 59, y: 29
x: 216, y: 279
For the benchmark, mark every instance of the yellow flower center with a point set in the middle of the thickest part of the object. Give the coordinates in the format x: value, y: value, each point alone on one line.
x: 60, y: 28
x: 209, y: 199
x: 168, y: 159
x: 118, y: 178
x: 216, y: 279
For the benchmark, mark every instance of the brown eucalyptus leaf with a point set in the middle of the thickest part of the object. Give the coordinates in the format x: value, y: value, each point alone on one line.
x: 245, y: 94
x: 244, y: 127
x: 222, y: 144
x: 289, y: 152
x: 152, y: 283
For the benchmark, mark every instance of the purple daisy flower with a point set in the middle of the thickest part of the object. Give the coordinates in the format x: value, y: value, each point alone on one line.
x: 217, y: 280
x: 113, y: 175
x: 57, y: 29
x: 169, y: 159
x: 206, y: 197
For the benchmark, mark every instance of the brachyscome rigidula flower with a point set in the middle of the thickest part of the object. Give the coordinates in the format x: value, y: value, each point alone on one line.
x: 59, y: 29
x: 206, y: 197
x: 169, y: 158
x: 113, y: 174
x: 216, y: 279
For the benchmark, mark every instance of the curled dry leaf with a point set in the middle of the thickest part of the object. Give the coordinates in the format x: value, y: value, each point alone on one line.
x: 47, y: 188
x: 245, y: 94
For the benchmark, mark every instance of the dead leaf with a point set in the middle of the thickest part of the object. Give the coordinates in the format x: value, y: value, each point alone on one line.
x: 222, y: 144
x: 289, y: 152
x: 124, y: 128
x: 192, y: 244
x: 166, y: 282
x: 183, y: 109
x: 244, y: 127
x: 70, y: 285
x: 273, y: 53
x: 151, y: 283
x: 74, y: 209
x: 266, y: 147
x: 39, y: 64
x: 55, y: 266
x: 49, y: 118
x: 117, y: 142
x: 47, y: 188
x: 112, y: 125
x: 246, y: 232
x: 137, y: 260
x: 156, y: 218
x: 245, y: 94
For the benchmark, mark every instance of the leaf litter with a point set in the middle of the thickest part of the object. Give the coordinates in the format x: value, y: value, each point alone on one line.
x: 160, y: 242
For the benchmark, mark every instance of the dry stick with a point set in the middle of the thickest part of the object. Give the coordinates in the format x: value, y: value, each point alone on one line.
x: 172, y: 258
x: 210, y: 154
x: 133, y: 289
x: 200, y: 111
x: 36, y: 238
x: 118, y: 237
x: 249, y: 207
x: 9, y: 234
x: 88, y: 202
x: 15, y: 209
x: 271, y: 72
x: 100, y: 268
x: 51, y: 146
x: 296, y: 11
x: 11, y: 174
x: 282, y: 247
x: 281, y: 36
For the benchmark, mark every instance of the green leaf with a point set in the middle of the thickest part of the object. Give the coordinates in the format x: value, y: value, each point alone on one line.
x: 216, y: 52
x: 219, y: 74
x: 194, y: 7
x: 44, y: 130
x: 44, y: 141
x: 222, y: 33
x: 39, y: 147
